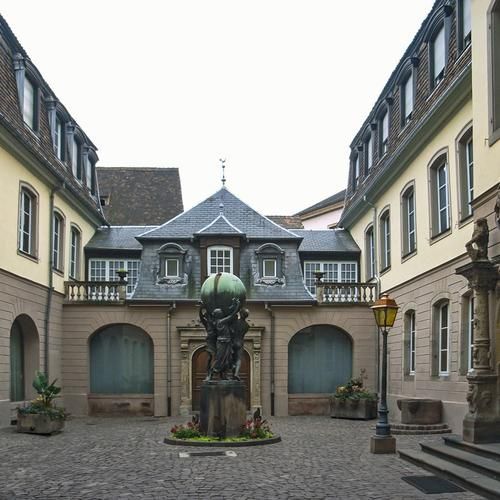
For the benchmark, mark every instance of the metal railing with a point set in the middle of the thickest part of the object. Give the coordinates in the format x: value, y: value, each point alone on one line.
x: 95, y: 291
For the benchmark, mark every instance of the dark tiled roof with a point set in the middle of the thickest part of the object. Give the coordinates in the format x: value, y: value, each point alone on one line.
x: 287, y: 221
x: 239, y: 215
x: 331, y: 200
x: 331, y: 240
x: 117, y: 238
x: 38, y: 144
x: 220, y: 225
x: 139, y: 196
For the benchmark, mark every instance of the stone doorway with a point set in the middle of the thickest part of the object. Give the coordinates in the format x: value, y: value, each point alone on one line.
x: 199, y: 372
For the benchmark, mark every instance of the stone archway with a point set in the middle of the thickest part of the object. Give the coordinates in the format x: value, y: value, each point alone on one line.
x: 121, y: 371
x: 319, y: 359
x: 24, y: 352
x: 199, y: 372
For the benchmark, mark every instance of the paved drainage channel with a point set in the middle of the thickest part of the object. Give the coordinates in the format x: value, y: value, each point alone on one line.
x: 189, y: 454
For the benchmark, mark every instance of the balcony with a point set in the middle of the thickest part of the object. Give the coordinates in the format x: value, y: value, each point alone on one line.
x: 344, y: 293
x: 95, y: 292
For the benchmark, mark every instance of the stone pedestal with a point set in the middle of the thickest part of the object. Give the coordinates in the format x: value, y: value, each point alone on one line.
x: 420, y: 411
x: 386, y: 444
x: 222, y: 408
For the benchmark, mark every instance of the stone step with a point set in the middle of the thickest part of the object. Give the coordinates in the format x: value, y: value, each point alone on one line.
x: 491, y: 451
x: 483, y: 465
x: 420, y: 429
x: 463, y: 476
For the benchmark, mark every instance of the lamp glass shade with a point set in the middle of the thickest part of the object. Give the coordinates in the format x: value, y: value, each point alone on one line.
x: 385, y: 310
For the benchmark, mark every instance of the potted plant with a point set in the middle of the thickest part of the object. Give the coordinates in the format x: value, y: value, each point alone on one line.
x: 354, y: 401
x: 122, y: 274
x: 42, y: 416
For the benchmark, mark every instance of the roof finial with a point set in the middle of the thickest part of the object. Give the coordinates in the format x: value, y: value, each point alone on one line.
x: 223, y: 161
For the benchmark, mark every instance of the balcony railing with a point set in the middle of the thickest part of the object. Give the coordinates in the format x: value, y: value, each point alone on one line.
x: 95, y: 291
x: 354, y: 293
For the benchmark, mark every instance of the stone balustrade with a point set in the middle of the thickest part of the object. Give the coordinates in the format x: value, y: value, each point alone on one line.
x: 95, y: 291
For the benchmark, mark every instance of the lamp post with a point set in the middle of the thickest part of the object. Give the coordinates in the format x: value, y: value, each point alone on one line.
x: 385, y: 310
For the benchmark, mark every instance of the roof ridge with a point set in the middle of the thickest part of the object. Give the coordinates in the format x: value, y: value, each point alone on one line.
x: 220, y: 216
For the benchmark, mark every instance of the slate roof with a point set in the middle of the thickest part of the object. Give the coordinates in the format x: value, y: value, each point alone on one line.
x: 117, y: 238
x: 330, y: 240
x: 38, y: 144
x: 140, y: 196
x: 331, y: 200
x: 287, y: 221
x: 220, y: 225
x: 237, y: 213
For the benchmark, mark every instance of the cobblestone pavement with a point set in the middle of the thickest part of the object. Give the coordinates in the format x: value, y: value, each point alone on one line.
x: 126, y: 458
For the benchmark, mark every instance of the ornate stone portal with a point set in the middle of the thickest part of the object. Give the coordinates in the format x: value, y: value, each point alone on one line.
x: 482, y: 422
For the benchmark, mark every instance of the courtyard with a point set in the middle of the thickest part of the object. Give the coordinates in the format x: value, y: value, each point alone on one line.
x: 110, y: 458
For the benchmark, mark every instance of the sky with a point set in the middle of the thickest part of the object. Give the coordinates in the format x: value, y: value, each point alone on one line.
x: 277, y: 88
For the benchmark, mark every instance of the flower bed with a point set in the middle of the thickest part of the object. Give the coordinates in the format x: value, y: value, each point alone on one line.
x: 354, y: 401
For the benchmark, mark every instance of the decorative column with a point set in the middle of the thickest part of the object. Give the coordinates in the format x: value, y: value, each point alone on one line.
x: 482, y: 422
x: 185, y: 406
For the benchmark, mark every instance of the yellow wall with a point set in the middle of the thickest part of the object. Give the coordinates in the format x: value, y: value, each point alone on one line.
x: 486, y: 157
x: 12, y: 173
x: 428, y: 255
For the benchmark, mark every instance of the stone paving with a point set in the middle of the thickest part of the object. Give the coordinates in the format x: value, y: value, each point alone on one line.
x: 126, y: 458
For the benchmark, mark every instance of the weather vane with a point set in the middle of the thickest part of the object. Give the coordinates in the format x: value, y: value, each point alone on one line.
x: 223, y: 161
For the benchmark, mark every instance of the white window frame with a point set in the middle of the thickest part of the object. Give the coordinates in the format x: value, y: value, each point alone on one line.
x: 275, y: 267
x: 74, y: 253
x: 408, y: 98
x: 356, y: 171
x: 444, y: 329
x: 412, y: 340
x: 29, y: 104
x: 465, y: 15
x: 469, y: 174
x: 438, y: 44
x: 57, y: 241
x: 335, y: 271
x: 369, y: 153
x: 385, y: 240
x: 442, y: 198
x: 107, y: 271
x: 384, y: 133
x: 58, y: 138
x: 172, y: 259
x: 216, y: 249
x: 470, y: 332
x: 26, y: 219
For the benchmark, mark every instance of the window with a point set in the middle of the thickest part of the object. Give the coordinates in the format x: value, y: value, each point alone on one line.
x: 57, y: 241
x: 106, y: 270
x: 89, y: 174
x: 438, y: 57
x: 29, y: 104
x: 355, y: 171
x: 269, y: 268
x: 370, y: 253
x: 220, y: 260
x: 334, y: 272
x: 409, y: 234
x: 27, y: 222
x: 76, y: 158
x: 470, y: 332
x: 59, y: 139
x: 444, y: 341
x: 465, y: 174
x: 384, y: 133
x: 172, y: 268
x: 439, y: 196
x: 385, y: 240
x: 494, y: 64
x: 410, y: 334
x: 74, y: 254
x: 407, y: 99
x: 368, y: 154
x: 464, y: 23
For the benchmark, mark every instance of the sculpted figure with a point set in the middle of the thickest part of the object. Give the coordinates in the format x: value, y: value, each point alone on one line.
x: 211, y: 346
x: 477, y: 247
x: 240, y: 328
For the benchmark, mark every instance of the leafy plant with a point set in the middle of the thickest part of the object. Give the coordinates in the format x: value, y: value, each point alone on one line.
x: 354, y: 390
x: 189, y: 431
x: 44, y: 403
x: 256, y: 428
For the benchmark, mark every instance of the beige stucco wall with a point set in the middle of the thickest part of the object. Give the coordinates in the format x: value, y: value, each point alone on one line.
x: 12, y: 174
x: 429, y: 254
x: 324, y: 220
x: 80, y: 322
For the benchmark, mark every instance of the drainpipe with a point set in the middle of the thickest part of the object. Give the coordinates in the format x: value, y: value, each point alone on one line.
x: 171, y: 309
x: 273, y: 337
x: 51, y: 278
x: 376, y: 277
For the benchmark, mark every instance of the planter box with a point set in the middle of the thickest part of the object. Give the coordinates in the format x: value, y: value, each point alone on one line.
x: 360, y: 409
x: 38, y: 424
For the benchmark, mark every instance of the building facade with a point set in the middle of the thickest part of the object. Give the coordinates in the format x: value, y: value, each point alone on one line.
x: 424, y: 167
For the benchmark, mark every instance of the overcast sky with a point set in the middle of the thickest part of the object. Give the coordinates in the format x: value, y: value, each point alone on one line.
x: 277, y: 87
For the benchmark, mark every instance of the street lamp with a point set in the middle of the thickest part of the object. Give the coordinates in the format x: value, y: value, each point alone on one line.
x: 385, y: 310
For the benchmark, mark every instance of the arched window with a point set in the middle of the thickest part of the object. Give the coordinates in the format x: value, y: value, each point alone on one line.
x: 439, y: 182
x: 465, y: 173
x: 370, y: 253
x: 441, y: 338
x: 408, y: 219
x: 319, y: 360
x: 74, y: 253
x: 57, y: 241
x: 410, y: 339
x: 28, y: 218
x: 121, y: 361
x: 385, y: 240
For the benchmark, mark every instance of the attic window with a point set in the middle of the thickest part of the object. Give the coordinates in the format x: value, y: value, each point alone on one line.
x: 270, y: 262
x: 171, y: 264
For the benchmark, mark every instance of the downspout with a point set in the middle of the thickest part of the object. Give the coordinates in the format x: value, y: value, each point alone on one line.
x: 171, y: 309
x: 273, y: 340
x: 51, y: 279
x: 376, y: 277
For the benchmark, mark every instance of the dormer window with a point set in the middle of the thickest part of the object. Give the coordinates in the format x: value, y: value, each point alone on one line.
x: 270, y: 264
x: 464, y: 23
x: 384, y: 133
x: 269, y: 267
x: 171, y: 264
x: 76, y: 158
x: 368, y: 153
x: 355, y: 172
x: 29, y: 104
x: 220, y: 260
x: 438, y: 57
x: 59, y: 141
x: 407, y: 98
